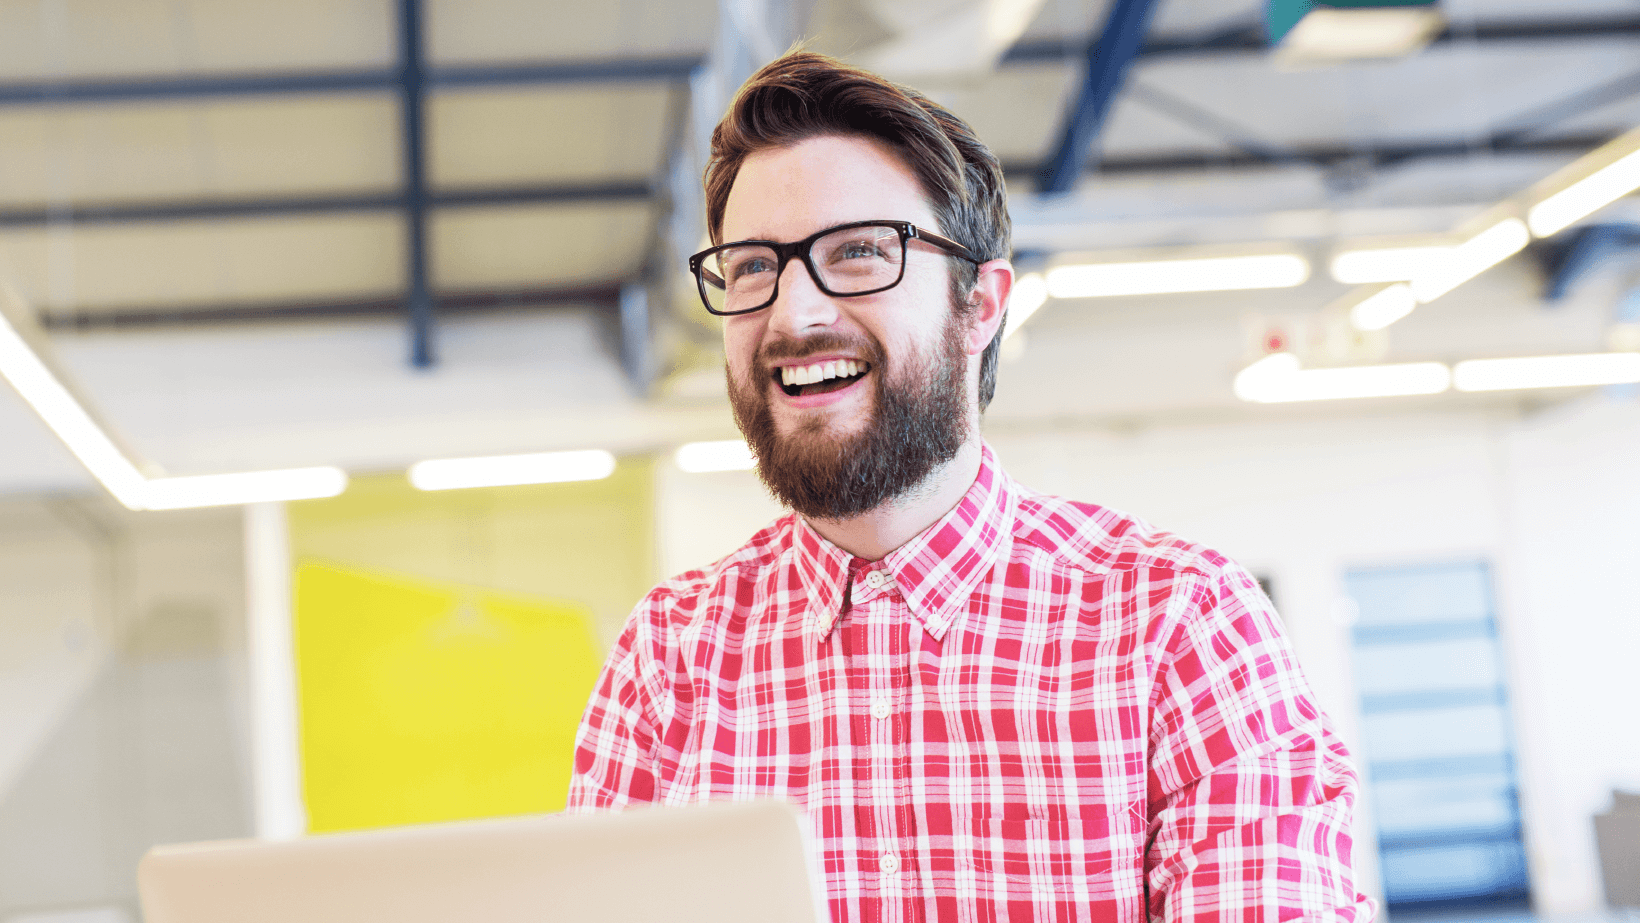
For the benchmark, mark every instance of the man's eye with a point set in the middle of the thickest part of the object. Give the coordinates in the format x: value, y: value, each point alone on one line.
x: 749, y: 266
x: 857, y: 250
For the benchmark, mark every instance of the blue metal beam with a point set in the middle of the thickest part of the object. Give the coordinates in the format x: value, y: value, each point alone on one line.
x: 1250, y: 39
x: 365, y: 202
x: 604, y: 297
x: 1107, y: 66
x: 413, y: 103
x: 674, y: 68
x: 1571, y: 257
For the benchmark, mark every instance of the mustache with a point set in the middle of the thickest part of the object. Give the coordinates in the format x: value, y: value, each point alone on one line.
x: 786, y: 348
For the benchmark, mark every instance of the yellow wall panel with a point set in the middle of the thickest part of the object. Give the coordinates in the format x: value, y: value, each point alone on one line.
x: 423, y: 702
x: 446, y: 641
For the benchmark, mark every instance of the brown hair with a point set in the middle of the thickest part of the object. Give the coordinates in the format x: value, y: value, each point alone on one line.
x: 805, y: 95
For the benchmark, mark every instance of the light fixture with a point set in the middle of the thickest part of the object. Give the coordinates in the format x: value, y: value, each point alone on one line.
x: 1030, y: 293
x: 1547, y: 372
x: 1187, y: 273
x: 1585, y: 186
x: 24, y: 365
x: 174, y: 493
x: 65, y: 416
x: 724, y: 455
x: 1377, y: 307
x: 1310, y: 33
x: 1364, y: 265
x: 1278, y: 378
x: 512, y: 470
x: 1498, y: 240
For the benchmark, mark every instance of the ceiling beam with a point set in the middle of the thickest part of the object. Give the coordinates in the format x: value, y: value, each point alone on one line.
x: 1250, y: 38
x: 635, y: 190
x: 602, y: 296
x: 1107, y: 64
x: 420, y: 306
x: 673, y: 68
x: 1328, y: 156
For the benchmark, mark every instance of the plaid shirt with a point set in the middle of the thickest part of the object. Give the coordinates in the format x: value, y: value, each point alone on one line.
x: 1034, y: 710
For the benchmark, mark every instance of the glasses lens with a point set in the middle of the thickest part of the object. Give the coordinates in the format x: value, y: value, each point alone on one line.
x: 739, y: 278
x: 859, y: 259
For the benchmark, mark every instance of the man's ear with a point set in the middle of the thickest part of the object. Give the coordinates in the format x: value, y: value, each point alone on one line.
x: 988, y: 302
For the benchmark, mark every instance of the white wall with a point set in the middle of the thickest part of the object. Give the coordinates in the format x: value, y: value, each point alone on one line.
x: 1303, y: 494
x: 122, y: 689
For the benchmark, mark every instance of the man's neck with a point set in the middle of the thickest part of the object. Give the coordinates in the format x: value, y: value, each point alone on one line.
x: 874, y: 534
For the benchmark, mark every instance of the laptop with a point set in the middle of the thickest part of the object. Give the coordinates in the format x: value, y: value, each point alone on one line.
x: 724, y: 863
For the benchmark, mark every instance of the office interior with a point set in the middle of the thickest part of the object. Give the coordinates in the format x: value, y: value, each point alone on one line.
x: 263, y: 260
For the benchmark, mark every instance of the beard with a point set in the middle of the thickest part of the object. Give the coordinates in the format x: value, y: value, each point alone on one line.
x: 918, y: 421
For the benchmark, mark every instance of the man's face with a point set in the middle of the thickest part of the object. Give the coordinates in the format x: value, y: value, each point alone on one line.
x: 842, y: 446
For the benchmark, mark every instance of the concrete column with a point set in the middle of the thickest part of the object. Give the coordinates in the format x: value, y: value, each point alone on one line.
x: 277, y: 769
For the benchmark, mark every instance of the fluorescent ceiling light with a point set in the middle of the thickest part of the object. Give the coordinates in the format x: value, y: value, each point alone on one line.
x: 1030, y: 293
x: 1279, y: 379
x: 1328, y: 36
x: 247, y: 487
x: 1384, y: 307
x: 1201, y: 274
x: 1547, y: 372
x: 1469, y: 259
x: 510, y: 470
x: 1366, y: 265
x: 727, y: 455
x: 64, y: 415
x: 21, y: 365
x: 1587, y: 185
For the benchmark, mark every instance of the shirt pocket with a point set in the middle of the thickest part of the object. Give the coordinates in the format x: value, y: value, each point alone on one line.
x: 1024, y: 849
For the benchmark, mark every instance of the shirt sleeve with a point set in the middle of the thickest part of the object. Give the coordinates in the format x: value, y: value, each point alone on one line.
x: 1250, y: 792
x: 615, y: 747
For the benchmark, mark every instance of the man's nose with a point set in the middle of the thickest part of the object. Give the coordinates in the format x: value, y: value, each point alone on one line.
x: 801, y: 306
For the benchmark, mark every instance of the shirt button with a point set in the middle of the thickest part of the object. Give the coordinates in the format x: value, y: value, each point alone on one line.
x: 880, y: 709
x: 875, y: 579
x: 889, y: 863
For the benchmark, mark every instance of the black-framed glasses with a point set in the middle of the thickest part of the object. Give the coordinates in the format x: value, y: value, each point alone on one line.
x: 861, y: 258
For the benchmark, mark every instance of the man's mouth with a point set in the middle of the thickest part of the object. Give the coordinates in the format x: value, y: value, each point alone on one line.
x: 819, y: 377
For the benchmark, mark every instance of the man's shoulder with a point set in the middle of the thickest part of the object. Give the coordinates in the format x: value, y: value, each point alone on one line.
x: 1102, y: 540
x: 682, y: 596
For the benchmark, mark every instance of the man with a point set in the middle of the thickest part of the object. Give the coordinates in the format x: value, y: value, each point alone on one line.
x: 993, y: 705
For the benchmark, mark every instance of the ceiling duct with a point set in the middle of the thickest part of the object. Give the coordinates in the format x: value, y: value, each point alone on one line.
x: 1315, y: 33
x: 945, y: 37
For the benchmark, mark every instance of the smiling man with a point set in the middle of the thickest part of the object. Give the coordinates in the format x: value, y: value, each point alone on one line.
x: 992, y: 704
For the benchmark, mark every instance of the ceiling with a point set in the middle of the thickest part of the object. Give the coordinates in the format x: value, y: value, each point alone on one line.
x: 212, y: 205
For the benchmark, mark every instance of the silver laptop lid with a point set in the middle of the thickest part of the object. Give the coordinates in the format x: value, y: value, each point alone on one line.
x: 723, y: 863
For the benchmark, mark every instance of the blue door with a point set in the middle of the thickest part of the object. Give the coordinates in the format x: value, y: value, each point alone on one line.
x: 1437, y: 745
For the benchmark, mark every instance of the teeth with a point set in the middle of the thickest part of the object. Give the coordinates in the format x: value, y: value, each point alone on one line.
x: 820, y: 371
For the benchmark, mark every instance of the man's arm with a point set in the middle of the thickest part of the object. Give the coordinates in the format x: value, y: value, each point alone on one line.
x: 615, y: 746
x: 1250, y: 792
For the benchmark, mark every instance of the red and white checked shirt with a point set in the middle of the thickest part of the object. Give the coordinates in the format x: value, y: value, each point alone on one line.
x: 1034, y: 710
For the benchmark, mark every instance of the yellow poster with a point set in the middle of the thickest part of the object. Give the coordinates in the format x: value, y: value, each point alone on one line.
x: 425, y: 702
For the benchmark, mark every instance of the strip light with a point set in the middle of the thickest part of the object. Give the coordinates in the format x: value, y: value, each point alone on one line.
x: 245, y: 487
x: 1474, y: 256
x: 1384, y: 307
x: 727, y: 455
x: 1158, y: 277
x: 512, y: 470
x: 1278, y: 378
x: 1615, y: 173
x: 1547, y: 372
x: 65, y: 417
x: 1029, y: 294
x: 1367, y: 265
x: 28, y: 373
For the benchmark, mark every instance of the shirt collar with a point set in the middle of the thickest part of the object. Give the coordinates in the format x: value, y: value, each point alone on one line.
x: 936, y: 571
